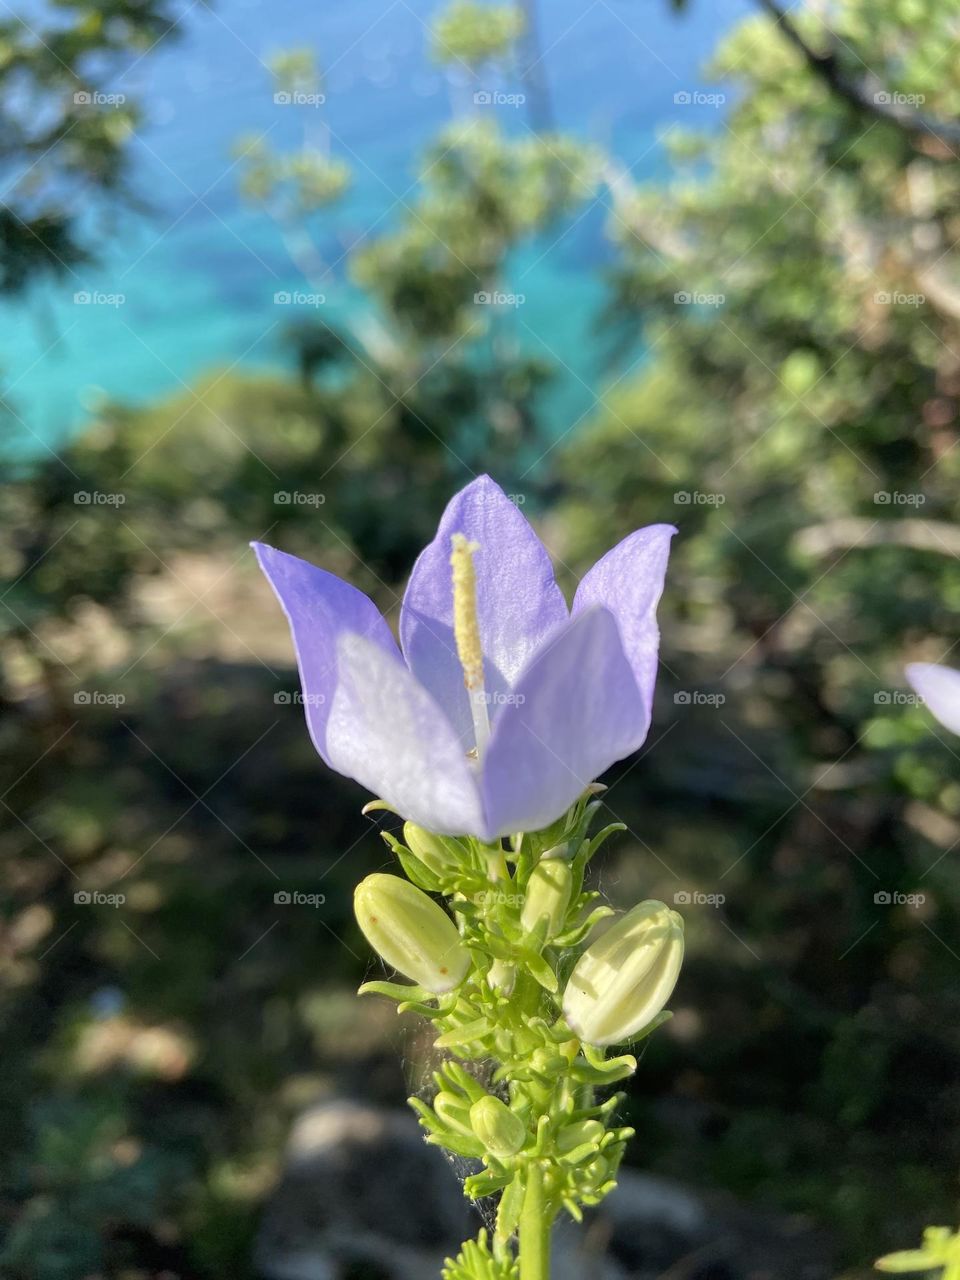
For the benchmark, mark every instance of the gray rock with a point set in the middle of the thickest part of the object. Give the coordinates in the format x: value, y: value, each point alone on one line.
x: 362, y: 1197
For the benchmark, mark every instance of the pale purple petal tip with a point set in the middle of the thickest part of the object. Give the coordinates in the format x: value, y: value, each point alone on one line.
x: 518, y: 601
x: 629, y: 582
x: 320, y: 608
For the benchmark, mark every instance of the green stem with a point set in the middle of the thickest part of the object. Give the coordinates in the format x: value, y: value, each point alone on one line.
x: 535, y: 1225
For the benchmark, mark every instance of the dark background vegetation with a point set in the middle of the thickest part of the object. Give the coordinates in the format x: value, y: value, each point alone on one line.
x: 155, y: 1051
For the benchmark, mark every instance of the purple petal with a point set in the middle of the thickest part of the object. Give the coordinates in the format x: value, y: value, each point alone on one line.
x: 580, y: 711
x: 629, y: 581
x: 320, y: 608
x: 387, y: 732
x: 939, y: 687
x: 518, y: 601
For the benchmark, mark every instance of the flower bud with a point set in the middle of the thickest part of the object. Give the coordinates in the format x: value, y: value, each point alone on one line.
x: 548, y: 894
x: 623, y: 980
x: 501, y: 1132
x: 578, y: 1134
x: 502, y: 977
x: 454, y: 1112
x: 411, y: 932
x: 437, y: 853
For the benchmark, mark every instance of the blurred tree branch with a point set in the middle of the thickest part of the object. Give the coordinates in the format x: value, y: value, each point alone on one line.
x: 877, y: 103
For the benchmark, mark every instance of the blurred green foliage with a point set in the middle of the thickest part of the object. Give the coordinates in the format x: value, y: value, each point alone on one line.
x: 791, y: 304
x: 62, y: 155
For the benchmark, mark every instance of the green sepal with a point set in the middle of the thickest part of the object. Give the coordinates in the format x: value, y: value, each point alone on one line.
x: 573, y: 1208
x: 487, y: 1183
x: 416, y: 871
x: 542, y: 971
x: 457, y: 1144
x: 602, y: 836
x: 509, y: 1209
x: 399, y: 991
x: 573, y: 937
x: 906, y: 1260
x: 467, y: 1034
x: 458, y: 1075
x: 605, y: 1072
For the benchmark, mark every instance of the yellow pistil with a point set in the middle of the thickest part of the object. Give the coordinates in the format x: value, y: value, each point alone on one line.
x: 466, y: 631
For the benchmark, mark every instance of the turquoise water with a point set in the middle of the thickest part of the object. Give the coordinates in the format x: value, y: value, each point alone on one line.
x: 198, y: 273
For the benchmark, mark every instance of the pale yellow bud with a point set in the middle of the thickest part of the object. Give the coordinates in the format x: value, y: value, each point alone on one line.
x: 411, y: 932
x: 624, y: 979
x: 501, y: 1132
x: 548, y: 895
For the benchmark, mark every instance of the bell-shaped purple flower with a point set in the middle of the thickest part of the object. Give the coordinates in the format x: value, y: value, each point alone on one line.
x: 566, y: 692
x: 939, y: 687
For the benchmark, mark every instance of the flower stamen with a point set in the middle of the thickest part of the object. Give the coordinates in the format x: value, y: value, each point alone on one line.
x: 466, y: 631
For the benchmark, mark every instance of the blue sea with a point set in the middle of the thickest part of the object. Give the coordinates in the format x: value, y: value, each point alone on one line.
x: 188, y: 285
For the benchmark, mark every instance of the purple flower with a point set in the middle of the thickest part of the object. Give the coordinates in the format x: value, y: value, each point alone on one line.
x: 939, y: 687
x: 562, y: 694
